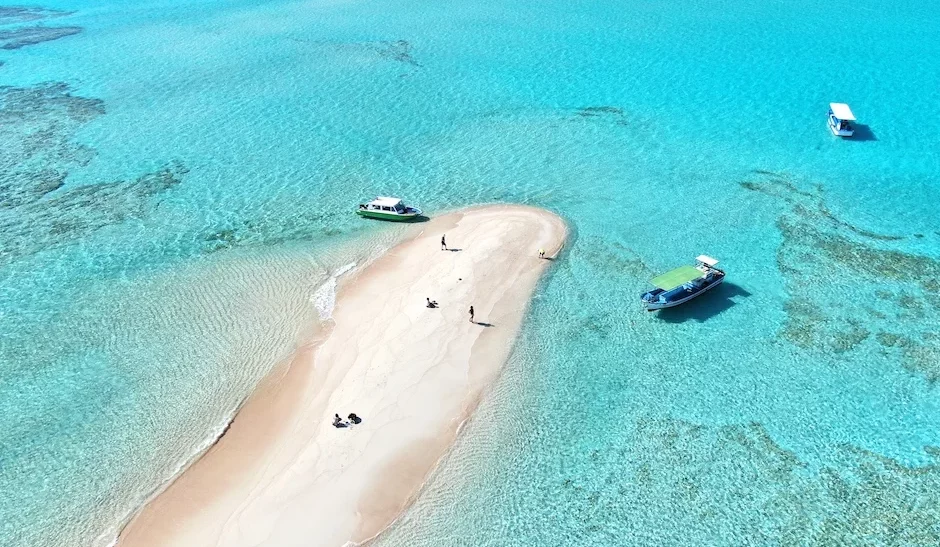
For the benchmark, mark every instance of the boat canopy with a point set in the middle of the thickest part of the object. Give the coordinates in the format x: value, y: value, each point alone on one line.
x: 705, y: 259
x: 842, y: 112
x: 675, y: 278
x: 386, y: 201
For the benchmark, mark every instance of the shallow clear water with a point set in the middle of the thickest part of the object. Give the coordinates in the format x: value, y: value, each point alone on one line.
x: 172, y: 172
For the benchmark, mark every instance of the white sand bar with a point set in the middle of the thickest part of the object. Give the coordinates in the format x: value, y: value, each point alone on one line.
x: 283, y: 475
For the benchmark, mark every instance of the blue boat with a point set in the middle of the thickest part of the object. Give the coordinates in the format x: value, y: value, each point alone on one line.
x: 683, y: 284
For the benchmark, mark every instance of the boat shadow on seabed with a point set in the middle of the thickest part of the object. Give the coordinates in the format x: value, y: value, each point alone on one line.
x: 863, y: 133
x: 706, y: 306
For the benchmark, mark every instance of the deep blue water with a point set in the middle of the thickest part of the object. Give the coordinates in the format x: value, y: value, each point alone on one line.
x: 175, y: 184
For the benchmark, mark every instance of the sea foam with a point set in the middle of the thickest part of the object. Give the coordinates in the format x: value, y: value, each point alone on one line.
x: 324, y: 297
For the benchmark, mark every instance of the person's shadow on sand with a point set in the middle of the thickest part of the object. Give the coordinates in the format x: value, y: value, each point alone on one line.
x: 483, y: 324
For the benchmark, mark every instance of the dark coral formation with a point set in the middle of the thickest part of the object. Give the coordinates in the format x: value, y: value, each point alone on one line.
x: 614, y: 258
x: 819, y: 250
x: 15, y: 37
x: 736, y: 485
x: 37, y: 126
x: 588, y: 111
x: 27, y: 36
x: 395, y: 50
x: 76, y: 213
x: 271, y: 230
x: 22, y: 14
x: 611, y: 112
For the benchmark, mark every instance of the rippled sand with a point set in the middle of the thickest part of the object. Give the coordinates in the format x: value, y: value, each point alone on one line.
x: 283, y: 475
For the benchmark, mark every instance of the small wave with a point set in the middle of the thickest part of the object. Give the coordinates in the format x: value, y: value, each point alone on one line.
x: 324, y: 298
x: 110, y: 537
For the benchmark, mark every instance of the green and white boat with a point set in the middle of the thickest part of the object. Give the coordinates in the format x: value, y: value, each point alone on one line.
x: 386, y: 208
x: 683, y: 284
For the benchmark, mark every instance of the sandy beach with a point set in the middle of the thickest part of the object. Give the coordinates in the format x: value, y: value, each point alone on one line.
x: 283, y: 475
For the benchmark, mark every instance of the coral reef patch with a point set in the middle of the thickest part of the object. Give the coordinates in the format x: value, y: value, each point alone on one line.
x: 36, y: 129
x: 707, y: 479
x: 23, y: 14
x: 27, y: 36
x: 819, y: 250
x: 609, y: 112
x: 394, y: 50
x: 15, y: 36
x: 37, y: 150
x: 399, y: 51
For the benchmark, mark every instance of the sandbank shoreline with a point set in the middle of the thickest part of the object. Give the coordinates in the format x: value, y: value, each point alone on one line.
x: 282, y: 475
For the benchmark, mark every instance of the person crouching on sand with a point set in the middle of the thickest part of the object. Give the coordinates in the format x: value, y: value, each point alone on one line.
x: 337, y: 421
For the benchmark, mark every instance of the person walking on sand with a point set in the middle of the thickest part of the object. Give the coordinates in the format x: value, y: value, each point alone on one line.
x: 471, y: 314
x: 444, y: 242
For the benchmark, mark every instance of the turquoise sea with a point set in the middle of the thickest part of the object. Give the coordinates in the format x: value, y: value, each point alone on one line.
x: 175, y: 181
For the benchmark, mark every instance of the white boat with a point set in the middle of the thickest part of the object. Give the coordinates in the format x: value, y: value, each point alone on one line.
x: 683, y: 284
x: 386, y: 208
x: 840, y: 118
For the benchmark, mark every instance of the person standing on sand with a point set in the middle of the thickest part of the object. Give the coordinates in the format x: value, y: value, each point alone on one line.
x: 541, y: 253
x: 444, y: 242
x: 471, y: 314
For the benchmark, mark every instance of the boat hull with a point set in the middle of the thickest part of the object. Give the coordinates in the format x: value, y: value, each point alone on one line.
x: 653, y: 306
x: 393, y: 217
x: 840, y: 132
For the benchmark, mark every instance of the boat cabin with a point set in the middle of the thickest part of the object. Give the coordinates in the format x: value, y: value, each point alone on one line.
x: 385, y: 204
x: 840, y: 120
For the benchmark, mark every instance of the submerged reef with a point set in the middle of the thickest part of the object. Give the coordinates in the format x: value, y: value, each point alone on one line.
x: 608, y: 112
x: 735, y: 485
x: 76, y: 213
x: 396, y: 50
x: 15, y: 37
x: 37, y: 125
x: 37, y: 150
x: 27, y: 36
x: 399, y: 51
x: 271, y: 230
x: 820, y: 250
x: 22, y: 14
